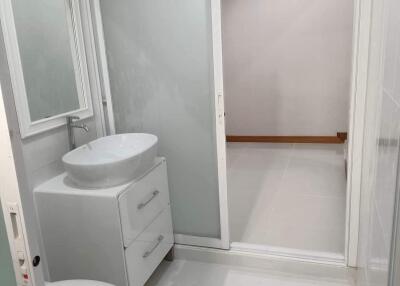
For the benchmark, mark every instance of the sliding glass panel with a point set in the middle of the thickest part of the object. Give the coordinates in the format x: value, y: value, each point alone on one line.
x: 7, y: 277
x: 161, y: 72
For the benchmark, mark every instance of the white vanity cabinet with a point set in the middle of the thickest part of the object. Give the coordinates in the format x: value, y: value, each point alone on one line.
x: 117, y: 235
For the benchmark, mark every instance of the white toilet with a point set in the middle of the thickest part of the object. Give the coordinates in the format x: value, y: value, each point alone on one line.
x: 77, y: 283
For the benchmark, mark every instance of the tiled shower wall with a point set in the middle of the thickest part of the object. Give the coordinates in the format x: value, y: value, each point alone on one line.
x: 382, y: 150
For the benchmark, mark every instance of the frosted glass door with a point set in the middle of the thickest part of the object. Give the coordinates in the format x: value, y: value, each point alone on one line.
x: 160, y: 62
x: 7, y: 276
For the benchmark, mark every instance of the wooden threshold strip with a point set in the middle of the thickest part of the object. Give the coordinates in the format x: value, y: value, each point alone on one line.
x: 286, y: 139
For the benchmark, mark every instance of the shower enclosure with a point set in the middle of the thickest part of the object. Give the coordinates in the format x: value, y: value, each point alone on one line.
x: 164, y: 67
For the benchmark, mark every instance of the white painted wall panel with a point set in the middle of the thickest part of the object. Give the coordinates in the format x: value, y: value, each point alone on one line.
x: 287, y: 66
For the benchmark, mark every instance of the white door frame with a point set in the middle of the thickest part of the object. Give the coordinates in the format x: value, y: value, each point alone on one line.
x: 359, y: 77
x: 100, y: 48
x: 220, y: 121
x: 361, y: 45
x: 17, y: 211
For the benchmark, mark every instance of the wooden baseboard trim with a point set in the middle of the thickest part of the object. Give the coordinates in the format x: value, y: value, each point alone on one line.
x: 286, y: 139
x: 342, y: 136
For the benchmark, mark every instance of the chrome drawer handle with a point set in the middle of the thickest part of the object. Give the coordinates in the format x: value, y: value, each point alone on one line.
x: 153, y: 195
x: 157, y: 243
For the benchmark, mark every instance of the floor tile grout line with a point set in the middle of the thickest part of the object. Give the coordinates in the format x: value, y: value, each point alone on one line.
x: 291, y: 152
x: 280, y: 180
x: 284, y: 173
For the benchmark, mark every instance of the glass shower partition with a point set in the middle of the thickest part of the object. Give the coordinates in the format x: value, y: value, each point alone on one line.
x: 161, y: 68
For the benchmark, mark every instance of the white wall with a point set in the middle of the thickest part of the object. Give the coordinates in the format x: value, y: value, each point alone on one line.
x: 287, y: 66
x: 380, y: 171
x: 42, y: 153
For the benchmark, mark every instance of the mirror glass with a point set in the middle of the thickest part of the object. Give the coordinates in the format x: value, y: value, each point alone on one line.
x: 47, y: 57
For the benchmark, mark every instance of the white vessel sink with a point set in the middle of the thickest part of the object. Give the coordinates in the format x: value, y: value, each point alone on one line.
x: 111, y: 160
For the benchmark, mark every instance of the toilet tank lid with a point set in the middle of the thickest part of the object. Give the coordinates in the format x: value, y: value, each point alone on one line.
x: 77, y: 283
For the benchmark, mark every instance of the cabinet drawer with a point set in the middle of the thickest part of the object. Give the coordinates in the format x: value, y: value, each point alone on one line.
x: 148, y: 250
x: 142, y: 202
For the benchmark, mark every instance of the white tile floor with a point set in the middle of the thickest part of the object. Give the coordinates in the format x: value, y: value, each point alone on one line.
x: 287, y: 195
x: 192, y: 273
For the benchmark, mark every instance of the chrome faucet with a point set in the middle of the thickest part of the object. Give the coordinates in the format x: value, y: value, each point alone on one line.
x: 71, y: 123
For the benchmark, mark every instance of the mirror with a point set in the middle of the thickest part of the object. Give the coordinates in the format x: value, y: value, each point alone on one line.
x: 45, y: 41
x: 46, y: 57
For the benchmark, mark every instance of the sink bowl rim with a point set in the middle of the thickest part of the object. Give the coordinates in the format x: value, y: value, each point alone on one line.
x: 67, y: 160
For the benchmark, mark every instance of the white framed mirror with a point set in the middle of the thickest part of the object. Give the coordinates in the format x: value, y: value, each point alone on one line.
x: 46, y: 54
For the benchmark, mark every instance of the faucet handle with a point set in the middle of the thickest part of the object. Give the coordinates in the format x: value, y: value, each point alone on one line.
x: 75, y: 117
x: 71, y: 118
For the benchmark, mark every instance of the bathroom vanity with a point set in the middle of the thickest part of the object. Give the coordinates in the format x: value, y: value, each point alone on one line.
x: 117, y: 235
